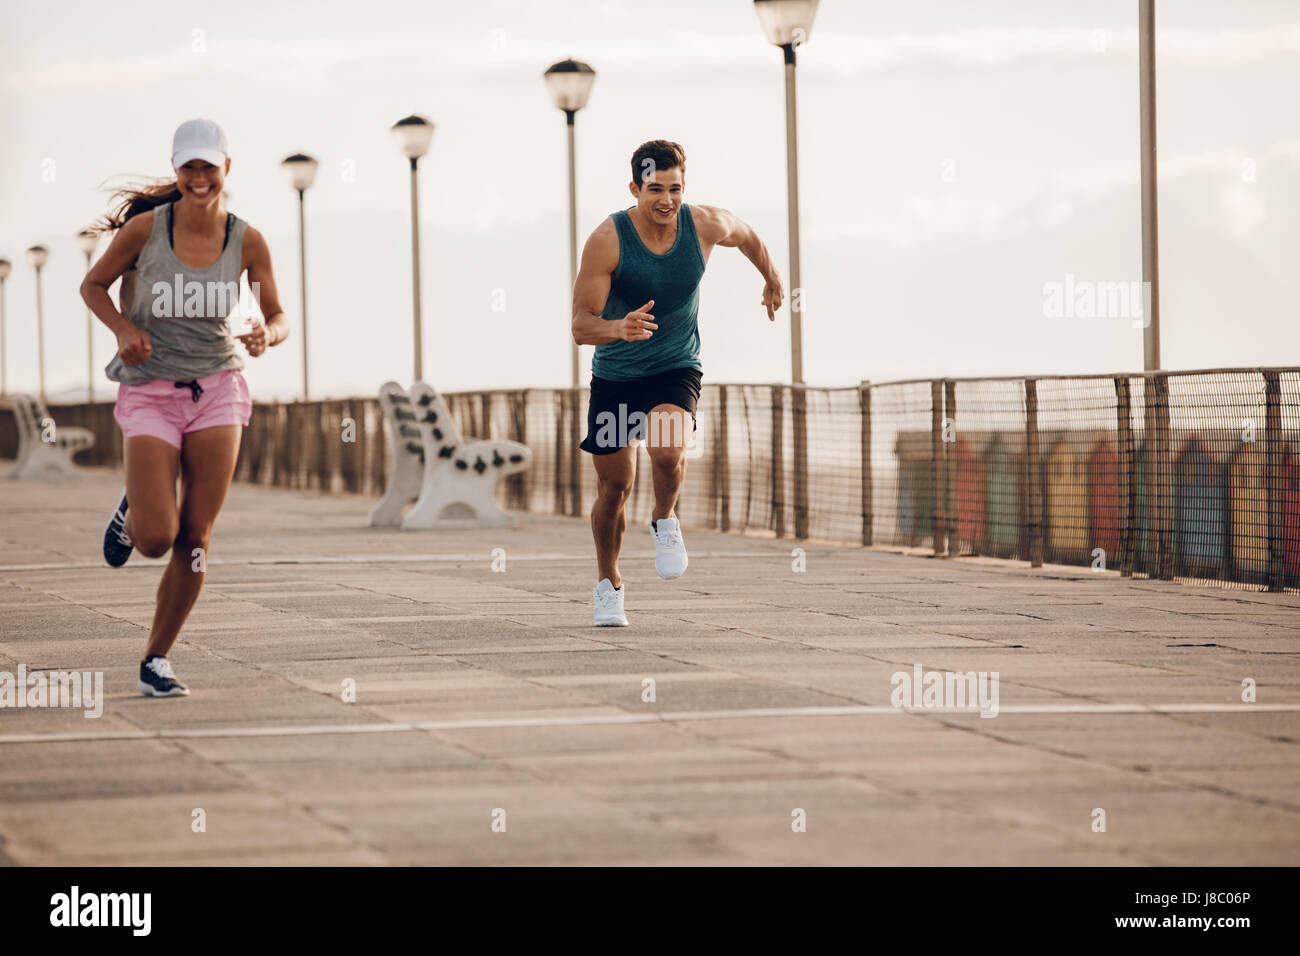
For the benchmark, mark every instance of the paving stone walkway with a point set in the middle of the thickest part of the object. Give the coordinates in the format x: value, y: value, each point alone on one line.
x: 485, y: 697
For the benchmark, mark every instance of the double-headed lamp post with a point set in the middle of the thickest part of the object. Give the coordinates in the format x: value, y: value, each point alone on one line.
x: 413, y: 135
x: 36, y: 258
x: 87, y: 241
x: 5, y: 268
x: 570, y: 82
x: 301, y: 171
x: 787, y: 24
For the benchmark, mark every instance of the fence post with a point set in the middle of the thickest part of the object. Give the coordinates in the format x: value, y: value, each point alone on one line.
x: 557, y: 404
x: 332, y: 414
x: 1273, y: 478
x: 519, y: 424
x: 721, y: 504
x: 868, y: 505
x: 799, y: 421
x: 1164, y: 489
x: 575, y: 437
x: 1127, y: 485
x: 939, y: 522
x: 950, y: 471
x: 1033, y: 476
x: 361, y: 415
x: 778, y: 460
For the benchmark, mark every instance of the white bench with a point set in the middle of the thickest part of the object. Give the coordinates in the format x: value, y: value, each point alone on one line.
x: 405, y: 457
x: 451, y: 479
x: 44, y: 449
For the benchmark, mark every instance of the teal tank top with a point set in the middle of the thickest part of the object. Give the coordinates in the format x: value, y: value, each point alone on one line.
x: 673, y: 281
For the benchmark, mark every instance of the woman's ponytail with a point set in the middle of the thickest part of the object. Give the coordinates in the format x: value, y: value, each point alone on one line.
x: 133, y: 199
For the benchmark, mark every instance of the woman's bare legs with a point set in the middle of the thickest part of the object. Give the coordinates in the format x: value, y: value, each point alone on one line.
x: 207, y: 465
x: 151, y: 517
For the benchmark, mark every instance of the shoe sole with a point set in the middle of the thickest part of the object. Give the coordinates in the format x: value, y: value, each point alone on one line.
x: 149, y: 691
x: 669, y: 577
x: 104, y: 547
x: 622, y: 623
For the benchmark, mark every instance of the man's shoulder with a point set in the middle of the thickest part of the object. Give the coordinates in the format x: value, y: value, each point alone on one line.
x: 604, y: 239
x: 708, y: 221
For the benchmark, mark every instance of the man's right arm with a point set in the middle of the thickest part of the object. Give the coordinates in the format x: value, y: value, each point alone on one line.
x: 591, y: 291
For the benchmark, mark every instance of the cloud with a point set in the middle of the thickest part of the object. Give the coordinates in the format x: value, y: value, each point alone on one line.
x: 306, y: 62
x: 1052, y: 201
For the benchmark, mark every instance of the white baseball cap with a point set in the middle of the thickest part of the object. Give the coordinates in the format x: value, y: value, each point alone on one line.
x: 199, y: 139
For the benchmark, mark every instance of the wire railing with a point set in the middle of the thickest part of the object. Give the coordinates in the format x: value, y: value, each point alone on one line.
x: 1190, y: 475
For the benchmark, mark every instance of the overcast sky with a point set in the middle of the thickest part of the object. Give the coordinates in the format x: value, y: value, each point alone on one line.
x: 955, y: 157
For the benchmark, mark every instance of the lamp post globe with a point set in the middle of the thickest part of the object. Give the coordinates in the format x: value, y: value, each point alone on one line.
x: 300, y: 170
x: 786, y: 21
x: 413, y: 134
x: 569, y: 83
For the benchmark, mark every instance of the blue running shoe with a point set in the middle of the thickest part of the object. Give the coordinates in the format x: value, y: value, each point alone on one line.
x: 157, y: 679
x: 117, y: 543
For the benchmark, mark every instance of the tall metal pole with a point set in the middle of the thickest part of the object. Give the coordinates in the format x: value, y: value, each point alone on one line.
x: 1156, y: 388
x: 792, y: 194
x: 302, y: 271
x: 798, y: 409
x: 573, y: 231
x: 415, y: 269
x: 1150, y: 237
x: 90, y: 347
x: 40, y: 334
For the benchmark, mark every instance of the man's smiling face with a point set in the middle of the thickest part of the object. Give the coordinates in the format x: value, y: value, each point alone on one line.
x: 660, y: 195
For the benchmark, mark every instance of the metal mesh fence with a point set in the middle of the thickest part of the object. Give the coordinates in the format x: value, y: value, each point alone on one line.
x: 1173, y: 475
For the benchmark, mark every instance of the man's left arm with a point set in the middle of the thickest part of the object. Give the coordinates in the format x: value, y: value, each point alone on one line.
x: 725, y: 228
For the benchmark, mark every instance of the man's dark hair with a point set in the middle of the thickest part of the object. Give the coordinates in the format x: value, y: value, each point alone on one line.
x: 655, y: 155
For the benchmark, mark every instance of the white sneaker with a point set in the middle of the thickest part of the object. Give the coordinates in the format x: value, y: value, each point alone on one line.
x: 609, y: 604
x: 670, y: 549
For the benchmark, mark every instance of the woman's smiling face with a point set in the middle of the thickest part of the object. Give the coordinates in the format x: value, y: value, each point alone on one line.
x: 201, y: 181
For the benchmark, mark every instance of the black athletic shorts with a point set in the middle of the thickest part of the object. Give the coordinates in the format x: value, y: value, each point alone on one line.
x: 618, y: 411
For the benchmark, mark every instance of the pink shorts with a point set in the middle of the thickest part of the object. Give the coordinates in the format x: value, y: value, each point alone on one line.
x: 161, y: 409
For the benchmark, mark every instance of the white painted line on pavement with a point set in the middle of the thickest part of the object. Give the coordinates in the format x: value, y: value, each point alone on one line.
x: 308, y: 559
x: 594, y: 720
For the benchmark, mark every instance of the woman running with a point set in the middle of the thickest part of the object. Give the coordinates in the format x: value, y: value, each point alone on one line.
x: 181, y: 400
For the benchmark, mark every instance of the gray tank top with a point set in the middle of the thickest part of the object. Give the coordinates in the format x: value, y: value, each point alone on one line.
x: 184, y: 311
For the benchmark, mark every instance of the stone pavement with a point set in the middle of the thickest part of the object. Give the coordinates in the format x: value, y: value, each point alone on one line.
x: 486, y: 696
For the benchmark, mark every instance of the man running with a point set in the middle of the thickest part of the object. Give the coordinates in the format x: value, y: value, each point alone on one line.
x: 636, y: 299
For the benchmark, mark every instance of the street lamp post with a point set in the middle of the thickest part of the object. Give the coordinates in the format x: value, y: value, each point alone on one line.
x: 1147, y: 119
x: 570, y: 82
x: 1155, y: 421
x: 5, y: 268
x: 36, y: 258
x: 87, y: 241
x: 787, y: 23
x: 413, y: 135
x: 301, y: 170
